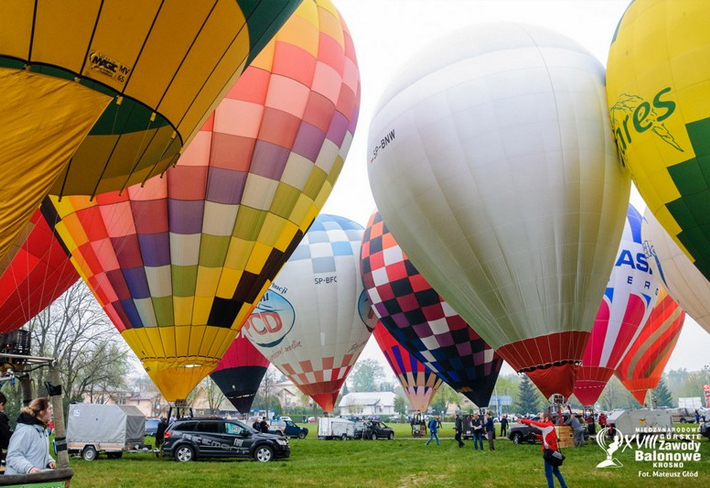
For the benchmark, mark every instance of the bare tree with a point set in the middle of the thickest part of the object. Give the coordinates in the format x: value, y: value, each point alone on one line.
x: 92, y: 357
x: 265, y: 396
x: 213, y: 394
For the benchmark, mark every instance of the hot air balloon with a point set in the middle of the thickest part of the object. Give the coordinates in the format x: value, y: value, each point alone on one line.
x: 240, y: 372
x: 642, y: 366
x: 179, y: 264
x: 311, y: 324
x: 419, y: 383
x: 680, y: 277
x: 97, y: 96
x: 657, y: 92
x: 627, y: 303
x: 421, y: 321
x: 37, y: 275
x: 492, y: 162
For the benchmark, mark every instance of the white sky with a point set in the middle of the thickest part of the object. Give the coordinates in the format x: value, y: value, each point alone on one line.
x: 388, y: 33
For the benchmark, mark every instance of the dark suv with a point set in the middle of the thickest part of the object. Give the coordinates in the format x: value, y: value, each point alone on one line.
x: 520, y: 433
x: 373, y: 429
x: 192, y: 438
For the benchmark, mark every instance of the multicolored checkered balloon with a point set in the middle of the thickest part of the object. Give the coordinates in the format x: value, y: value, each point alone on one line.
x: 421, y: 321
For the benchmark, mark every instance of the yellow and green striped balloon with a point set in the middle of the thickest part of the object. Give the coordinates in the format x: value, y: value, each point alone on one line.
x: 658, y: 89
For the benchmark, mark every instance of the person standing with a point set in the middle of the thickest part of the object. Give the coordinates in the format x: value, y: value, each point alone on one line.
x: 477, y: 429
x: 490, y: 431
x: 160, y: 432
x: 578, y: 429
x: 264, y: 425
x: 504, y: 426
x: 433, y: 430
x: 548, y: 437
x: 602, y: 420
x: 458, y: 428
x: 28, y: 451
x: 591, y: 426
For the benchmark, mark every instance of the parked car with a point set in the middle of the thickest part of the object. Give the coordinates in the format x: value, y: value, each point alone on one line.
x: 151, y: 426
x: 373, y: 429
x: 521, y: 433
x: 193, y: 438
x: 288, y: 428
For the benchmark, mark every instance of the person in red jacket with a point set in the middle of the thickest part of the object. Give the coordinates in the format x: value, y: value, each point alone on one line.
x: 548, y: 437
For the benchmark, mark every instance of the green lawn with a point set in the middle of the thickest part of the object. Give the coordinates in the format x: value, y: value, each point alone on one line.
x: 404, y: 462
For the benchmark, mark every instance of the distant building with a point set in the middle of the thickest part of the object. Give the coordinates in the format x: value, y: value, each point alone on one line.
x: 287, y: 393
x: 367, y: 403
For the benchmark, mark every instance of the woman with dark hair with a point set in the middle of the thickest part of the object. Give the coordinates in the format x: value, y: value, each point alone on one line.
x: 29, y: 445
x: 548, y: 436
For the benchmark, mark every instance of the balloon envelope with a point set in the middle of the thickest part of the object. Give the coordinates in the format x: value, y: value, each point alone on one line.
x: 37, y: 275
x: 419, y: 383
x: 240, y: 372
x: 421, y: 321
x: 311, y: 324
x: 642, y: 366
x: 97, y: 96
x: 627, y: 303
x: 179, y: 263
x: 657, y: 97
x: 493, y: 164
x: 685, y: 283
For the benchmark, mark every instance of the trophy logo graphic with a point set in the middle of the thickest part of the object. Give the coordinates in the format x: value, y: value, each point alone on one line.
x: 609, y: 448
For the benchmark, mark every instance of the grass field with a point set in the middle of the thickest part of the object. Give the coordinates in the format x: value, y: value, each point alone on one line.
x: 404, y: 462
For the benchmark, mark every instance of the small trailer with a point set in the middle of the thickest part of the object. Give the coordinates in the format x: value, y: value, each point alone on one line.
x: 335, y: 428
x: 112, y: 429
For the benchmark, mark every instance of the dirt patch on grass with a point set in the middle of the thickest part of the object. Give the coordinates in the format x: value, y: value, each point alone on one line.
x: 423, y: 479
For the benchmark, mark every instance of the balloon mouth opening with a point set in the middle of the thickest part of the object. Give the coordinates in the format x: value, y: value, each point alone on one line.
x: 540, y: 367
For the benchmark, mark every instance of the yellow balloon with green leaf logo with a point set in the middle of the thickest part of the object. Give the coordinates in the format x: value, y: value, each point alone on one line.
x: 658, y: 88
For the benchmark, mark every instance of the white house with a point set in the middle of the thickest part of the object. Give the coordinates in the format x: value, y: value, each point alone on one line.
x: 368, y: 403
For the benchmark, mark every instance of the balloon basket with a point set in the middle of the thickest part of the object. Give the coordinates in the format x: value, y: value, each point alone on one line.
x: 565, y: 436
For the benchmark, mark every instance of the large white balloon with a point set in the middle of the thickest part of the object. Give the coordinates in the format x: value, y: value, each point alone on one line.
x: 315, y: 320
x: 683, y: 280
x: 493, y: 164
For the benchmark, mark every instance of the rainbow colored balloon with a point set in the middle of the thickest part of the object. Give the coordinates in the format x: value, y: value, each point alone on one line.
x: 419, y: 383
x: 179, y: 263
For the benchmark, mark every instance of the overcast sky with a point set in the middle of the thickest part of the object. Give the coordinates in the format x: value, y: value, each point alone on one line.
x: 389, y: 33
